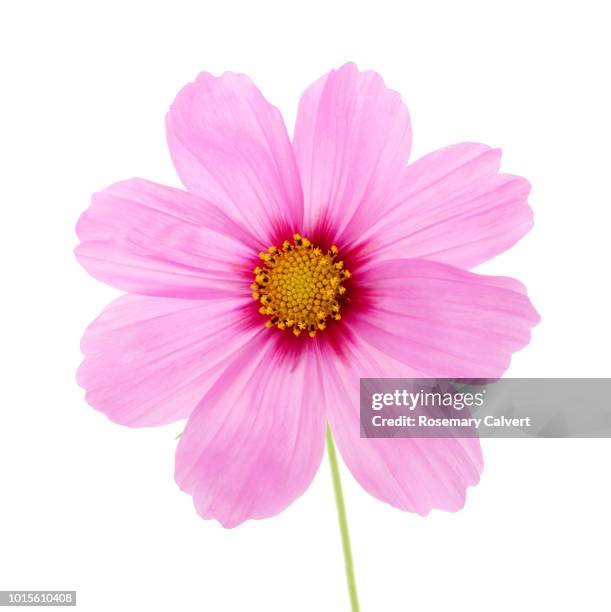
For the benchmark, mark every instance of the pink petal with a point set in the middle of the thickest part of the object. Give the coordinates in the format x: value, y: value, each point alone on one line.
x: 230, y: 146
x: 255, y: 441
x: 352, y: 141
x: 149, y: 361
x: 414, y: 475
x: 150, y: 239
x: 443, y: 321
x: 454, y: 207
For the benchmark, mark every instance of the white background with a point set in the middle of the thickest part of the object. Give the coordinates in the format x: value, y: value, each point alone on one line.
x: 92, y: 506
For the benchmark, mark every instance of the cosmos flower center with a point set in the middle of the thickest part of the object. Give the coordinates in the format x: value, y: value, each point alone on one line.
x: 299, y: 286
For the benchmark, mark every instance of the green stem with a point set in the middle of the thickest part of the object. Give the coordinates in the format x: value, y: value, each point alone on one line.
x: 343, y: 522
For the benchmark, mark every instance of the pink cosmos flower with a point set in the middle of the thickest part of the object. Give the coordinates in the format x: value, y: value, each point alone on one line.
x: 286, y: 271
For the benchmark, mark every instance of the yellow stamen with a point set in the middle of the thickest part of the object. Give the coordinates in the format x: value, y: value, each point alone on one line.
x: 300, y: 286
